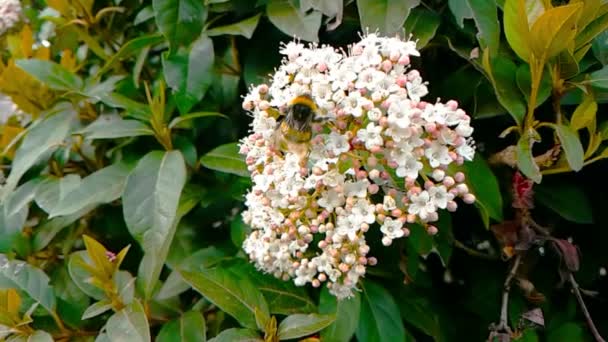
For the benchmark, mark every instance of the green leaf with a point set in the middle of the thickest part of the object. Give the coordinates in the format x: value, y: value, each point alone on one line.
x: 180, y: 21
x: 599, y: 78
x: 237, y: 335
x: 27, y: 279
x: 517, y: 29
x: 243, y: 28
x: 502, y: 74
x: 52, y: 190
x: 150, y: 202
x: 484, y: 186
x: 524, y: 82
x: 300, y: 325
x: 114, y: 127
x: 417, y: 310
x: 97, y: 309
x: 144, y: 15
x: 571, y: 145
x: 47, y: 231
x: 226, y: 158
x: 179, y: 121
x: 525, y: 159
x: 485, y: 14
x: 52, y: 74
x: 134, y: 109
x: 553, y: 31
x: 97, y: 91
x: 567, y: 332
x: 287, y: 17
x: 81, y: 276
x: 130, y: 48
x: 584, y: 115
x: 423, y: 24
x: 100, y: 187
x: 40, y: 336
x: 231, y: 292
x: 190, y: 327
x: 387, y: 16
x: 43, y: 136
x: 566, y: 199
x: 188, y: 73
x: 380, y: 319
x: 346, y: 312
x: 129, y: 324
x: 597, y: 27
x: 600, y: 47
x: 21, y: 198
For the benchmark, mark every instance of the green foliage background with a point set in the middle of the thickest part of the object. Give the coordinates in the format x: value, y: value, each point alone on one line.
x: 136, y: 109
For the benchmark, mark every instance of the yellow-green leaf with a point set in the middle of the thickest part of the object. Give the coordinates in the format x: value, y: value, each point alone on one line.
x: 571, y: 146
x: 525, y: 159
x: 584, y: 113
x: 517, y: 29
x: 554, y: 31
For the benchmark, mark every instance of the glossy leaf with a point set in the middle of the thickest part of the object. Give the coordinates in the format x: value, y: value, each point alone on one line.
x: 150, y: 203
x: 112, y: 128
x: 190, y: 327
x: 97, y: 309
x: 287, y: 17
x: 44, y: 136
x: 299, y: 325
x: 502, y: 73
x: 584, y: 114
x: 103, y: 186
x: 282, y: 297
x: 387, y: 16
x: 482, y: 182
x: 553, y: 31
x: 234, y: 294
x: 180, y: 21
x: 423, y: 24
x: 346, y: 312
x: 599, y: 78
x: 571, y: 145
x: 566, y: 199
x: 189, y: 73
x: 380, y: 319
x: 179, y: 122
x: 130, y: 48
x: 524, y: 82
x: 27, y: 279
x: 486, y: 18
x: 237, y: 335
x: 243, y: 28
x: 53, y: 75
x: 81, y: 276
x: 226, y: 158
x: 129, y: 324
x: 52, y: 190
x: 517, y: 29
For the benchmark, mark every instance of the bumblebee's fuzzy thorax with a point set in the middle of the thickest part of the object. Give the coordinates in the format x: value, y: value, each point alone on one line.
x: 300, y: 113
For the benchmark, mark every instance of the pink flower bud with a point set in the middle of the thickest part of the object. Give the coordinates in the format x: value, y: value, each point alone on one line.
x: 432, y: 230
x: 469, y: 198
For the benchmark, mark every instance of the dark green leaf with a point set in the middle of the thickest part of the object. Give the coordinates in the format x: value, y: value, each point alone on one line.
x: 485, y: 15
x: 566, y: 199
x: 484, y: 186
x: 502, y: 73
x: 189, y: 73
x: 190, y: 327
x: 129, y: 324
x: 600, y: 47
x: 283, y: 297
x: 226, y: 158
x: 150, y: 202
x: 144, y: 15
x: 130, y: 48
x: 237, y: 335
x: 243, y: 28
x: 524, y: 82
x: 387, y: 16
x: 42, y: 137
x: 288, y: 18
x: 567, y: 332
x: 423, y: 24
x: 103, y: 186
x: 180, y: 21
x: 234, y: 294
x: 299, y: 325
x: 179, y: 121
x: 108, y: 127
x: 347, y: 316
x: 599, y: 79
x: 53, y: 75
x: 380, y: 319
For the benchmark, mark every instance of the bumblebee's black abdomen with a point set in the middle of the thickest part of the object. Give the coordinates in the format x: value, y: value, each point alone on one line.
x: 301, y: 112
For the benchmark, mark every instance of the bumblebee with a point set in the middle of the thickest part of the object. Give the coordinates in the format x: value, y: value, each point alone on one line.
x: 294, y: 131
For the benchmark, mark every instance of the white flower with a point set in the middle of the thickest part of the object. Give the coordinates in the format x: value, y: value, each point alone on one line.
x: 416, y: 89
x: 421, y: 205
x: 10, y: 14
x: 410, y: 168
x: 356, y: 189
x: 466, y: 151
x: 331, y: 199
x: 353, y: 104
x: 440, y: 196
x: 392, y: 228
x: 336, y: 143
x: 333, y: 178
x: 371, y: 135
x: 398, y: 113
x: 389, y: 203
x: 437, y: 154
x: 365, y: 210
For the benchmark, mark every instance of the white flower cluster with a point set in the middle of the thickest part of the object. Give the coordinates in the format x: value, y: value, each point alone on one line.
x: 10, y: 14
x: 379, y: 157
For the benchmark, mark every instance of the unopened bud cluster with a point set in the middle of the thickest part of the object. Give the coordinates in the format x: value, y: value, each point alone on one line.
x: 10, y: 14
x: 380, y: 159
